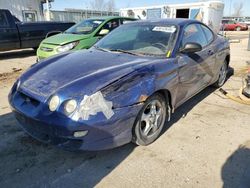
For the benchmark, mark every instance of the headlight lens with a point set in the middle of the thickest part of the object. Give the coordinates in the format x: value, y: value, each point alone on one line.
x: 70, y: 106
x: 67, y: 47
x: 54, y: 103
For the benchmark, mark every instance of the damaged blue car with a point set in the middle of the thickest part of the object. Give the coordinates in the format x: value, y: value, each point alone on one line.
x: 123, y: 89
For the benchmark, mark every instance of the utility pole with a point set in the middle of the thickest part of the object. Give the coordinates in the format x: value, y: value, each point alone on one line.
x: 48, y: 11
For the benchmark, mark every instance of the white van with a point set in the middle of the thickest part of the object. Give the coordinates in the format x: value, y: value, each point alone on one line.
x: 209, y: 12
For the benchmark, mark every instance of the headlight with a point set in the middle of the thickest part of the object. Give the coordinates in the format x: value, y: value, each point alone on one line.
x: 70, y: 106
x: 54, y: 103
x: 67, y: 47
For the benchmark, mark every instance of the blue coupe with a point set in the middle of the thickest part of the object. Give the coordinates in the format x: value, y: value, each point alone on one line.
x: 123, y: 89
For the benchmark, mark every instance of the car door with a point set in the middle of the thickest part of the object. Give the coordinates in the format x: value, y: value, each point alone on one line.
x: 9, y: 38
x: 224, y: 25
x: 231, y: 25
x: 192, y: 73
x: 211, y: 48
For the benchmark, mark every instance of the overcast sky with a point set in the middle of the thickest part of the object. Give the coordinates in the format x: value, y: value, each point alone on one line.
x: 81, y: 4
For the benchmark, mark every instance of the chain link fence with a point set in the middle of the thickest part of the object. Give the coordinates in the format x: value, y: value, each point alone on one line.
x: 78, y: 15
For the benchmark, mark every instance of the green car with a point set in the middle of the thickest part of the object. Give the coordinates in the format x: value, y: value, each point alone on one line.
x: 80, y: 36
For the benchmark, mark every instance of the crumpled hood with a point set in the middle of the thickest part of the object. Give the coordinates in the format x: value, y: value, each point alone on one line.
x: 79, y: 73
x: 64, y: 38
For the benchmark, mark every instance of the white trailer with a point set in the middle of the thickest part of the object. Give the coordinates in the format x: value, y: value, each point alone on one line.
x: 209, y: 12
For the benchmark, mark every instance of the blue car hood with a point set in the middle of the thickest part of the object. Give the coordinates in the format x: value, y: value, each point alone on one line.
x: 79, y: 73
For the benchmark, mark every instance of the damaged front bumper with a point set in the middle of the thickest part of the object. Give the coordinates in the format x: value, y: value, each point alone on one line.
x: 58, y: 129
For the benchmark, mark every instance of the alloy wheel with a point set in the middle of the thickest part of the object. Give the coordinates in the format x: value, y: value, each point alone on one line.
x: 222, y: 75
x: 151, y: 118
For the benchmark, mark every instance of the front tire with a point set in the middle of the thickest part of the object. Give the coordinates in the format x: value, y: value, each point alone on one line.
x: 222, y: 75
x: 238, y: 29
x: 150, y: 120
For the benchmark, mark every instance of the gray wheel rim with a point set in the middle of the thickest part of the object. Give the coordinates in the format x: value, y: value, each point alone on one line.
x: 151, y: 118
x: 223, y: 74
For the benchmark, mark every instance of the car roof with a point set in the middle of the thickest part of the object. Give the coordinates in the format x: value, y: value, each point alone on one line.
x: 110, y: 17
x: 173, y: 21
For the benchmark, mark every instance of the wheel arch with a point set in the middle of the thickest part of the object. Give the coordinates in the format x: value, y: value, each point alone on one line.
x: 228, y: 59
x: 167, y: 96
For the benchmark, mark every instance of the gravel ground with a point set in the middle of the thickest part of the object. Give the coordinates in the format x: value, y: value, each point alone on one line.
x: 206, y: 144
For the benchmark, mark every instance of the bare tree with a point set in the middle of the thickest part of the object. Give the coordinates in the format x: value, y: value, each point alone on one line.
x: 110, y: 5
x: 102, y: 5
x: 238, y: 9
x: 97, y: 4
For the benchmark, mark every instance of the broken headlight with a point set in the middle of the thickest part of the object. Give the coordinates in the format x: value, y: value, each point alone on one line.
x: 91, y: 105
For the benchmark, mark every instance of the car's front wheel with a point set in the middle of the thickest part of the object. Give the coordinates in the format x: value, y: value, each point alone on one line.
x: 222, y: 75
x: 238, y: 29
x: 150, y: 120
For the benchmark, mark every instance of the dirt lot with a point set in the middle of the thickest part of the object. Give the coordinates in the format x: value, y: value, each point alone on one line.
x: 207, y: 143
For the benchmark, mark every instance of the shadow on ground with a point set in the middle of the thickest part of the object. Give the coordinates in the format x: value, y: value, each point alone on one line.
x: 17, y: 54
x: 184, y: 109
x: 236, y: 170
x: 26, y: 162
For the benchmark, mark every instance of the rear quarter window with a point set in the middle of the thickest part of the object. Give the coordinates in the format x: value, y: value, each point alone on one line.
x: 3, y: 20
x: 194, y: 33
x: 208, y: 33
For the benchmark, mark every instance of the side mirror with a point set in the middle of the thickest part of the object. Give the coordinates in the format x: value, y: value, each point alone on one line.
x: 191, y: 47
x: 104, y: 32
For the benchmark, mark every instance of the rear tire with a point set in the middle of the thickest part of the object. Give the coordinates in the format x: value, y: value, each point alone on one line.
x: 150, y: 120
x: 222, y: 75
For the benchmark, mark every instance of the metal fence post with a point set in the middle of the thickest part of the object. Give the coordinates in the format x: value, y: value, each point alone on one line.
x: 248, y: 42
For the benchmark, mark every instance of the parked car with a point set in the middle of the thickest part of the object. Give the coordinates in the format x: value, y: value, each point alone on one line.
x: 231, y: 25
x: 80, y: 36
x: 17, y: 35
x: 243, y: 20
x: 122, y: 89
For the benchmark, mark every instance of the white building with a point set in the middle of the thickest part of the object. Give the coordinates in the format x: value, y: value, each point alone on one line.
x: 25, y: 10
x: 209, y: 12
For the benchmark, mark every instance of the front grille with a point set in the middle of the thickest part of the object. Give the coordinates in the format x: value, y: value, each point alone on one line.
x: 46, y: 49
x: 29, y: 100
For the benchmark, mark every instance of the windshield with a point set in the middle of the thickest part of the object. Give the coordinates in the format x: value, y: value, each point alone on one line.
x: 85, y: 27
x: 140, y: 39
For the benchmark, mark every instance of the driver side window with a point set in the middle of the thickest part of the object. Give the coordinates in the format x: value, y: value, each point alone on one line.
x: 111, y: 25
x: 194, y: 33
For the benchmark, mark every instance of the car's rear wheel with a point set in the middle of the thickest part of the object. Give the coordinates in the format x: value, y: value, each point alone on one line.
x: 150, y: 120
x: 222, y: 75
x: 238, y: 28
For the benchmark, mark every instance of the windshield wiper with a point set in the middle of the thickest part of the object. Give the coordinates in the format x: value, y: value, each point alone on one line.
x: 126, y: 52
x: 101, y: 49
x: 71, y: 32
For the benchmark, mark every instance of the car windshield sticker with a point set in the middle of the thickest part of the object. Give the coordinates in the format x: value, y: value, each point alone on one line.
x: 168, y: 53
x: 167, y: 29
